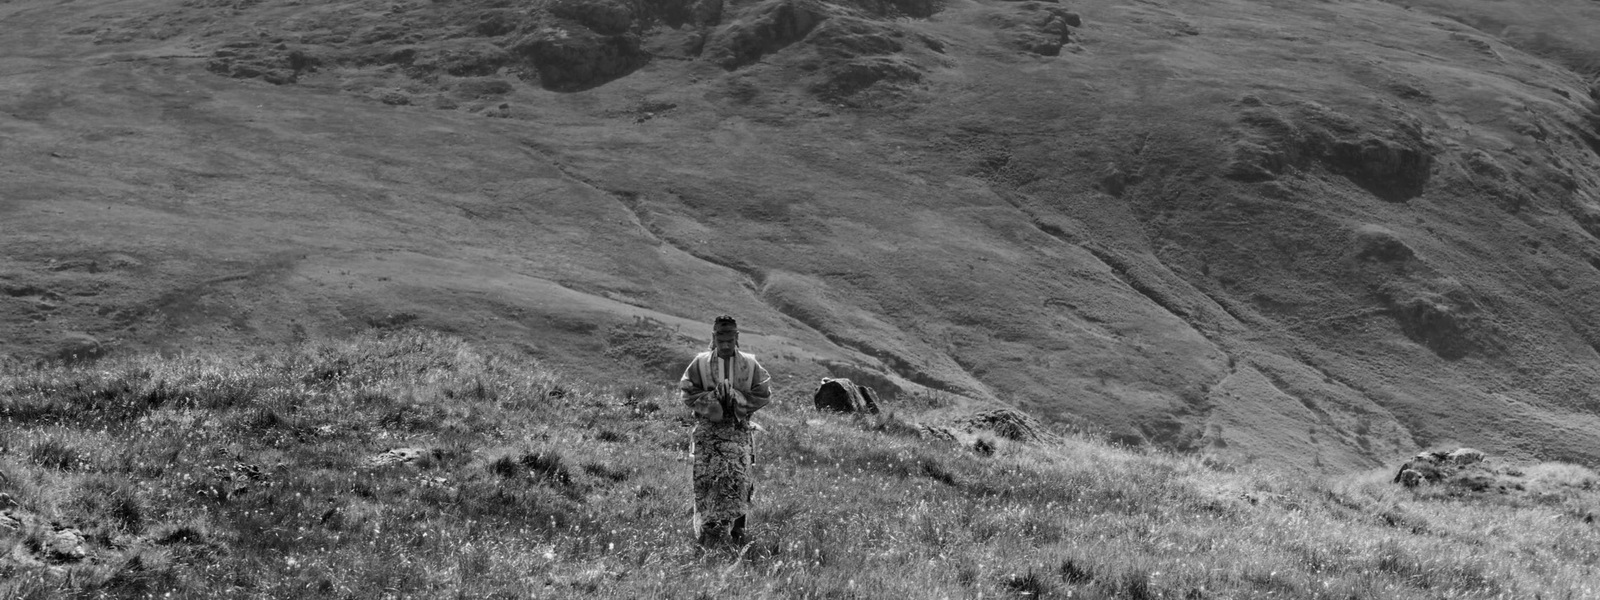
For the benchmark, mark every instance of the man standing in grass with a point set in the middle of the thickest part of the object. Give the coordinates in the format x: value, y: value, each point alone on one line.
x: 723, y: 386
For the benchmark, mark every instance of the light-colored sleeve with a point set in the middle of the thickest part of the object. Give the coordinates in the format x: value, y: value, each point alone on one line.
x: 760, y: 390
x: 692, y: 391
x: 691, y: 384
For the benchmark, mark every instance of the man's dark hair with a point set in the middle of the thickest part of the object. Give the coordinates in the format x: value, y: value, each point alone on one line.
x: 722, y: 320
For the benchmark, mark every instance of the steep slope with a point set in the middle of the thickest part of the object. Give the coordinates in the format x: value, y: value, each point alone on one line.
x: 1321, y: 234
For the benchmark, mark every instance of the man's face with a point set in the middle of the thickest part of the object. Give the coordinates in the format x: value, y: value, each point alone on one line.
x: 725, y: 341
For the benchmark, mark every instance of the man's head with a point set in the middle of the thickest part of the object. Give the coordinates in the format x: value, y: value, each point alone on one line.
x: 724, y: 336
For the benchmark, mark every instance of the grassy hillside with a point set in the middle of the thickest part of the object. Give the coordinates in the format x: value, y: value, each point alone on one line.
x: 1312, y: 234
x: 281, y: 474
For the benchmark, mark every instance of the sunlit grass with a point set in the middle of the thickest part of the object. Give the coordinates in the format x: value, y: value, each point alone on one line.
x: 258, y: 476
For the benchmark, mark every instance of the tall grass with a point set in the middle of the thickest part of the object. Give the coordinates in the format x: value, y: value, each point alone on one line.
x: 266, y: 477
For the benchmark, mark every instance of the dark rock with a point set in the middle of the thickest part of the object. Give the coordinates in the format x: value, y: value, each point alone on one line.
x: 1392, y: 169
x: 683, y: 43
x: 474, y: 89
x: 1378, y: 243
x: 1115, y: 181
x: 679, y: 14
x: 394, y: 98
x: 299, y: 60
x: 1449, y: 326
x: 1436, y: 467
x: 1056, y: 13
x: 473, y: 59
x: 706, y: 13
x: 845, y: 38
x: 1394, y: 164
x: 569, y: 59
x: 848, y: 78
x: 278, y: 65
x: 1006, y: 423
x: 849, y: 55
x: 1482, y: 163
x: 918, y: 9
x: 1009, y: 424
x: 495, y: 23
x: 1037, y: 42
x: 841, y: 395
x: 763, y: 29
x: 1039, y: 28
x: 602, y: 16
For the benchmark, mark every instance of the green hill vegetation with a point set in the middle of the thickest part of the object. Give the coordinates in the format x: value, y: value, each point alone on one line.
x: 411, y: 464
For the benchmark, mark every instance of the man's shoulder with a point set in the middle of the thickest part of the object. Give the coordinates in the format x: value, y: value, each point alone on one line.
x: 701, y: 356
x: 751, y: 357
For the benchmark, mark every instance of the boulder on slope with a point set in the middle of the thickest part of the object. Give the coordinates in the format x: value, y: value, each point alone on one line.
x: 841, y: 395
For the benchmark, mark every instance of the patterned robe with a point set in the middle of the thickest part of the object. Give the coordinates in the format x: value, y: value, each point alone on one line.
x: 722, y: 444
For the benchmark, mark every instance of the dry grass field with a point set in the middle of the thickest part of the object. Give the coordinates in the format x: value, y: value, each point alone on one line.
x: 276, y: 475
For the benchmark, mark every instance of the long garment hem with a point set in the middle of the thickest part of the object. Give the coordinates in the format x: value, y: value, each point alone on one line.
x: 724, y: 454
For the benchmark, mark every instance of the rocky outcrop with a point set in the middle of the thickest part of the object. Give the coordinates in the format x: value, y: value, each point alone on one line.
x: 273, y: 63
x: 573, y: 58
x: 917, y: 9
x: 573, y: 45
x: 1005, y: 423
x: 45, y: 543
x: 1393, y: 166
x: 1010, y: 424
x: 841, y: 395
x: 1038, y: 28
x: 761, y: 30
x: 416, y: 457
x: 857, y: 54
x: 1378, y: 243
x: 604, y: 17
x: 1436, y: 467
x: 1393, y: 163
x: 1451, y: 323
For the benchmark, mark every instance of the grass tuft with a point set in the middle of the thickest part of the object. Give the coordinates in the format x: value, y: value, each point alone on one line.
x: 506, y: 467
x: 52, y: 453
x: 548, y: 466
x: 1074, y: 573
x: 111, y: 502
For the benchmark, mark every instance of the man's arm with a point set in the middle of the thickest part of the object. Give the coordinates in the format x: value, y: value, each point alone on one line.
x: 690, y: 384
x: 692, y: 391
